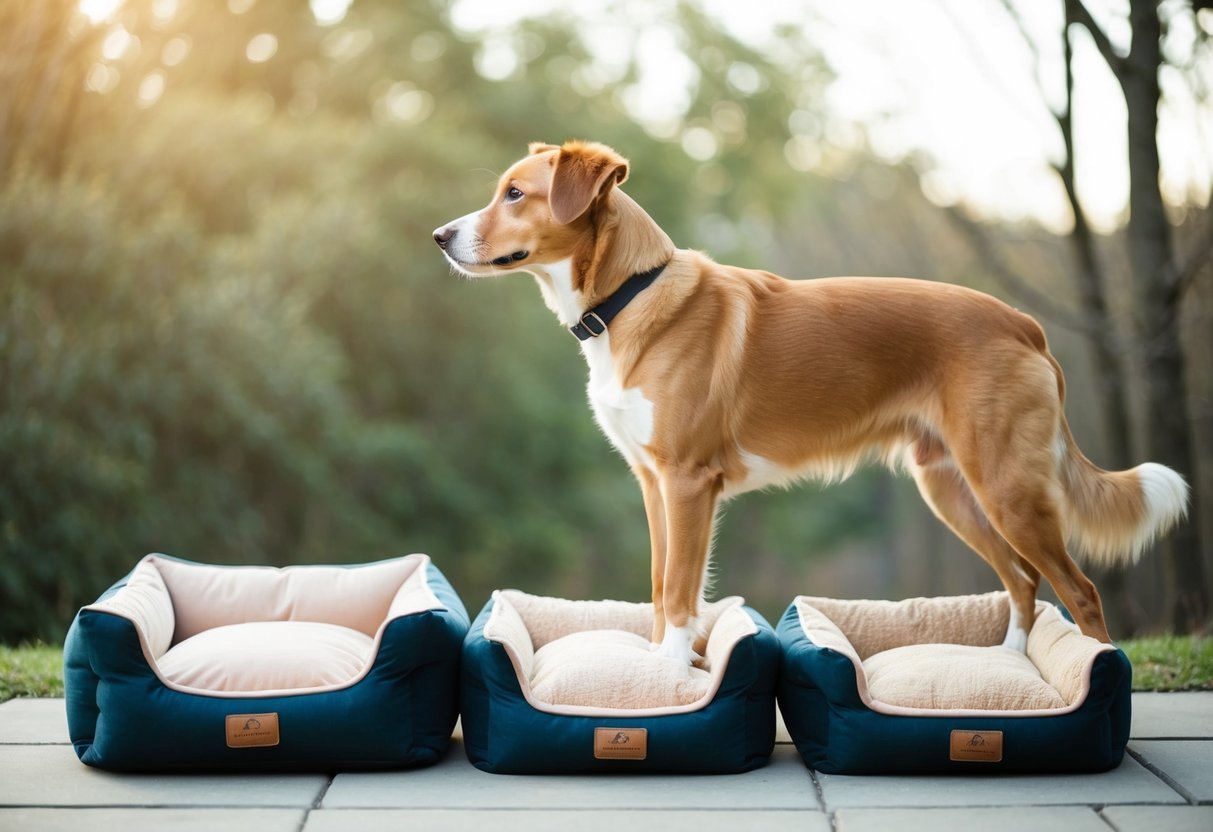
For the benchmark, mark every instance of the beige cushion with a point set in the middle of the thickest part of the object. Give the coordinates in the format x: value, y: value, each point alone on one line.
x: 956, y: 676
x: 268, y: 655
x: 612, y: 668
x: 578, y: 657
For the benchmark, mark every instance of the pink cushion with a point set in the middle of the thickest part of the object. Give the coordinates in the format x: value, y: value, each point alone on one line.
x: 268, y: 655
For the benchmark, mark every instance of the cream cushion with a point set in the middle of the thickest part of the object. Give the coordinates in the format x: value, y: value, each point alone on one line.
x: 957, y: 676
x: 614, y: 667
x: 232, y: 630
x: 943, y: 655
x: 268, y: 655
x: 580, y: 656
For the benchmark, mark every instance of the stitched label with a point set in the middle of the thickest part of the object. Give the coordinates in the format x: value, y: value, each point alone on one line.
x: 251, y: 730
x: 976, y: 746
x: 621, y: 743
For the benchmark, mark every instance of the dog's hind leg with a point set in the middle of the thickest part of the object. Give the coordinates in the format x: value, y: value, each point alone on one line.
x: 1027, y: 515
x: 950, y: 498
x: 1007, y: 455
x: 654, y: 509
x: 690, y: 494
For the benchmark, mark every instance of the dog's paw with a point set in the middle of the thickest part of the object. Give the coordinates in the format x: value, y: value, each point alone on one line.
x: 676, y: 645
x: 1016, y: 639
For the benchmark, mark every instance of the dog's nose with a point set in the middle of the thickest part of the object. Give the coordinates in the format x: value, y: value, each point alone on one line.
x: 442, y: 236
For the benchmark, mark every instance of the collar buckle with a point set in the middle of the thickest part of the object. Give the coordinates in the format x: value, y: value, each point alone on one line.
x: 591, y: 324
x: 594, y: 322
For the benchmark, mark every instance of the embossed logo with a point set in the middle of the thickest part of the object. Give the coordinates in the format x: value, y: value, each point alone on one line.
x: 976, y: 746
x: 251, y: 730
x: 621, y: 743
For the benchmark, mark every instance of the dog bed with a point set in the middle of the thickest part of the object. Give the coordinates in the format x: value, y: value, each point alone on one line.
x: 924, y: 685
x: 557, y: 686
x: 185, y: 666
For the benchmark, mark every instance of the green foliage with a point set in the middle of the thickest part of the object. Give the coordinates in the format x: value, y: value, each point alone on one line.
x: 225, y: 333
x: 30, y: 670
x: 1171, y: 662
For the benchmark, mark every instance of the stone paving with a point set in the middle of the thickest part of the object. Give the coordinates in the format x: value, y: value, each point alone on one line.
x: 1164, y: 785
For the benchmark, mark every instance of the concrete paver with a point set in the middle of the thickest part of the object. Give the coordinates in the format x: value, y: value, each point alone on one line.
x: 1172, y: 715
x: 438, y: 820
x: 1187, y: 764
x: 46, y: 775
x: 44, y: 787
x: 1160, y: 818
x: 784, y: 784
x: 1129, y: 783
x: 33, y: 721
x: 151, y: 820
x: 967, y: 819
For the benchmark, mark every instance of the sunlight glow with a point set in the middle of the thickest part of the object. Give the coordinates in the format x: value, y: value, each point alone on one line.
x: 949, y: 86
x: 261, y: 48
x: 101, y: 78
x: 329, y: 12
x: 99, y: 11
x: 175, y: 50
x: 116, y: 43
x: 151, y: 88
x: 163, y: 11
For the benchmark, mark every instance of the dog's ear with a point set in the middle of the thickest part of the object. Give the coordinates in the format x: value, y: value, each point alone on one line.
x: 584, y: 172
x: 540, y: 147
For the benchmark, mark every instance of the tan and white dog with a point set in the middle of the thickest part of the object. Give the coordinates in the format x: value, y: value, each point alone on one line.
x: 714, y: 380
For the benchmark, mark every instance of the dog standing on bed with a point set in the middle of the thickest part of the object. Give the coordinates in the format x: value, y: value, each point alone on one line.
x: 713, y: 380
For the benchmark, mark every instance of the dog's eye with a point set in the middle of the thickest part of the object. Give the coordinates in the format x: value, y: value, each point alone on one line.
x: 513, y: 195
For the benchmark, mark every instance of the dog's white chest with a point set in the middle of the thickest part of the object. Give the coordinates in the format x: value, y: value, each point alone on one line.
x: 625, y: 415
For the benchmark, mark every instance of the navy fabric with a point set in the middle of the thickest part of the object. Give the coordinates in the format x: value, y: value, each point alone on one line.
x: 504, y: 734
x: 122, y: 717
x: 836, y: 733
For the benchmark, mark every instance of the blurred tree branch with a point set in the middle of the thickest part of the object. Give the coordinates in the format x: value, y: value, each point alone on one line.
x: 1157, y: 279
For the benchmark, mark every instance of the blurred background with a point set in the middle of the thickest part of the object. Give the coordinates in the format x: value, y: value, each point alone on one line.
x: 225, y: 332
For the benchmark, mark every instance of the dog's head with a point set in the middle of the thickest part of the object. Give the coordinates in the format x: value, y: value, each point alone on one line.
x: 539, y: 212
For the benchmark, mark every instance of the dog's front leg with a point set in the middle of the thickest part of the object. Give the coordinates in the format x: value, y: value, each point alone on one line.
x: 690, y: 494
x: 654, y: 509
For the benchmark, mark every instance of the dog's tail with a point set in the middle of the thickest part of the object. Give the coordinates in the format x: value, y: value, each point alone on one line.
x: 1112, y: 516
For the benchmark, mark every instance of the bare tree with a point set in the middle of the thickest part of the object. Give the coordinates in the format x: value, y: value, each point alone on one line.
x: 1160, y: 283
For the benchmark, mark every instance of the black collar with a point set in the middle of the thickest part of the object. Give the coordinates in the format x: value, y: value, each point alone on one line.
x: 594, y: 322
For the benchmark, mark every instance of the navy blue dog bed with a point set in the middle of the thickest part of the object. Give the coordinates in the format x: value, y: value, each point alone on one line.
x: 557, y: 686
x: 185, y: 666
x: 924, y: 685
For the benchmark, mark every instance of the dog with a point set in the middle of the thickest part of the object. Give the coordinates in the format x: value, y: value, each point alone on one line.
x: 713, y: 380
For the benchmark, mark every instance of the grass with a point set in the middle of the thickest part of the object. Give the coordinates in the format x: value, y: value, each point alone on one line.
x: 1164, y: 663
x: 1171, y: 662
x: 31, y: 670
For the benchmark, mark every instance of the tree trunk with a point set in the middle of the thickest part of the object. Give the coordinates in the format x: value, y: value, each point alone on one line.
x: 1168, y: 434
x: 1123, y: 611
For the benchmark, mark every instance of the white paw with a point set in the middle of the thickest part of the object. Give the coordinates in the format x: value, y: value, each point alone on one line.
x: 1016, y: 639
x: 676, y: 645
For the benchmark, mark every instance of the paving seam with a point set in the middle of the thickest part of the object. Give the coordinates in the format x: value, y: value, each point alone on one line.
x: 1164, y: 777
x: 1106, y: 821
x: 307, y: 813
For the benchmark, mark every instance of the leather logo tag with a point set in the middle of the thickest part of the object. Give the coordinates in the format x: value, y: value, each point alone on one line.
x: 976, y: 746
x: 251, y: 730
x: 621, y: 743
